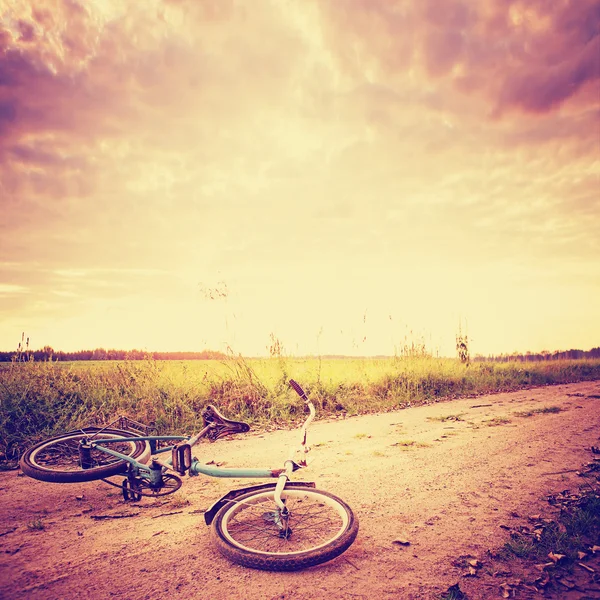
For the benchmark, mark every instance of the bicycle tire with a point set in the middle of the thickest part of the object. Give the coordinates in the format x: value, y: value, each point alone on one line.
x: 284, y: 553
x: 56, y: 460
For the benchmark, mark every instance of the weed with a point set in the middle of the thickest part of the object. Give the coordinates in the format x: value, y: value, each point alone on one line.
x: 445, y: 418
x: 36, y: 525
x: 454, y: 593
x: 576, y: 527
x: 496, y: 421
x: 462, y: 347
x: 405, y: 443
x: 566, y: 536
x: 549, y: 409
x: 360, y: 436
x: 519, y: 546
x: 585, y: 519
x: 538, y: 411
x: 378, y: 453
x: 179, y: 500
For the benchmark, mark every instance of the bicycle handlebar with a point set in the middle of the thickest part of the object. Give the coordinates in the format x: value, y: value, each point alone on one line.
x: 304, y: 449
x: 296, y: 387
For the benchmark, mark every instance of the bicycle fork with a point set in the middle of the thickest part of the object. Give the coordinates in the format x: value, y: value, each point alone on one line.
x: 281, y: 515
x: 282, y: 520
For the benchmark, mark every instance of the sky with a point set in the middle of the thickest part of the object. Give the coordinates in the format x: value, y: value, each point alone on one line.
x: 344, y: 176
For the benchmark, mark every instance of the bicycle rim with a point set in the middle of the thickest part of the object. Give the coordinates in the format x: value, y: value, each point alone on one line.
x: 57, y: 459
x: 250, y: 530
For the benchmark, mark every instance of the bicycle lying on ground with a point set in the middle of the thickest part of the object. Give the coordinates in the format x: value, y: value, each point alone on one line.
x: 279, y: 526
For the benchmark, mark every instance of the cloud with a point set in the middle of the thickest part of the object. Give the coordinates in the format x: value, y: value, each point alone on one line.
x: 540, y: 88
x: 527, y: 56
x: 11, y: 289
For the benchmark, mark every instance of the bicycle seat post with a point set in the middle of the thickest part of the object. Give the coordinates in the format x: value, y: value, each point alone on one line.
x: 85, y: 454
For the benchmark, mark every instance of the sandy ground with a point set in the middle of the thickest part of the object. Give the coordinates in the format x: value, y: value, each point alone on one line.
x: 451, y: 495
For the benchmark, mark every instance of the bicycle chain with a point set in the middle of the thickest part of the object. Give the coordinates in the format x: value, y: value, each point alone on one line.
x: 140, y: 493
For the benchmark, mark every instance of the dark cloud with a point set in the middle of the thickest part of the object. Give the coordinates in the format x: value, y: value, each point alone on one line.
x: 444, y: 48
x: 27, y: 32
x: 36, y: 156
x: 5, y: 38
x: 581, y: 128
x: 53, y: 82
x: 41, y: 100
x: 92, y: 79
x: 448, y: 15
x: 531, y: 56
x: 8, y: 114
x: 538, y: 89
x: 15, y: 69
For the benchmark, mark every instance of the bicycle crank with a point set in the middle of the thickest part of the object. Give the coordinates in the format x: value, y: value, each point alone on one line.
x: 133, y: 488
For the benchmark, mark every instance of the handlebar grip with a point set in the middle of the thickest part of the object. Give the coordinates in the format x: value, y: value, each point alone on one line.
x: 298, y: 390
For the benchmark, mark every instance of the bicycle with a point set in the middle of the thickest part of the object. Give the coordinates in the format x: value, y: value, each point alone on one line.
x: 281, y: 526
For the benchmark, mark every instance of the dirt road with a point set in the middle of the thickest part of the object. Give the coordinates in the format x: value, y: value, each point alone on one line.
x: 443, y: 477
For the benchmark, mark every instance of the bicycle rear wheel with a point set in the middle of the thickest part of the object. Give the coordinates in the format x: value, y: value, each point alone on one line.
x: 57, y: 459
x: 250, y: 531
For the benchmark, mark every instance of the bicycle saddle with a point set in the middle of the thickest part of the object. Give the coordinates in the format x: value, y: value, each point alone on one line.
x: 219, y: 425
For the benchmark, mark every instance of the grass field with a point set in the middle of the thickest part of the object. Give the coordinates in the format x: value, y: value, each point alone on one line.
x: 39, y: 399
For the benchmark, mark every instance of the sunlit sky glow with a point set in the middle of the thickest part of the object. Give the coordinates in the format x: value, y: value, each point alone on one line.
x: 344, y: 174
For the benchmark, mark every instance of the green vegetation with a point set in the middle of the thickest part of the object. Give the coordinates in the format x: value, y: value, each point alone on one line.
x: 496, y: 421
x: 454, y: 593
x: 178, y: 500
x: 445, y: 418
x: 40, y: 399
x: 575, y: 529
x: 405, y: 444
x: 36, y: 525
x: 537, y: 411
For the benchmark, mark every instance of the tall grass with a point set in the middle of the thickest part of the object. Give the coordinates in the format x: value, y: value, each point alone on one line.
x: 42, y: 399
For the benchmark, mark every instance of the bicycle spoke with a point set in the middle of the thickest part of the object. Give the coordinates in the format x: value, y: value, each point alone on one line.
x: 309, y: 524
x: 73, y: 458
x: 65, y: 454
x: 264, y: 535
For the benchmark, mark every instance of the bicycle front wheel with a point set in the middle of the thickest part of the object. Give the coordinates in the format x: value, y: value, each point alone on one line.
x: 250, y: 530
x: 57, y: 460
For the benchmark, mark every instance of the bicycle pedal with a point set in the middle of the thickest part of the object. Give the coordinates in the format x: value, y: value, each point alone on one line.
x: 181, y: 457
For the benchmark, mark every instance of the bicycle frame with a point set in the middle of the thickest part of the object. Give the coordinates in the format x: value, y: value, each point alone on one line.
x: 196, y: 467
x: 154, y: 471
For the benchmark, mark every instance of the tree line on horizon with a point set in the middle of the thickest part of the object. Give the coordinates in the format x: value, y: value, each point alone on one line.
x: 540, y: 356
x: 47, y: 354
